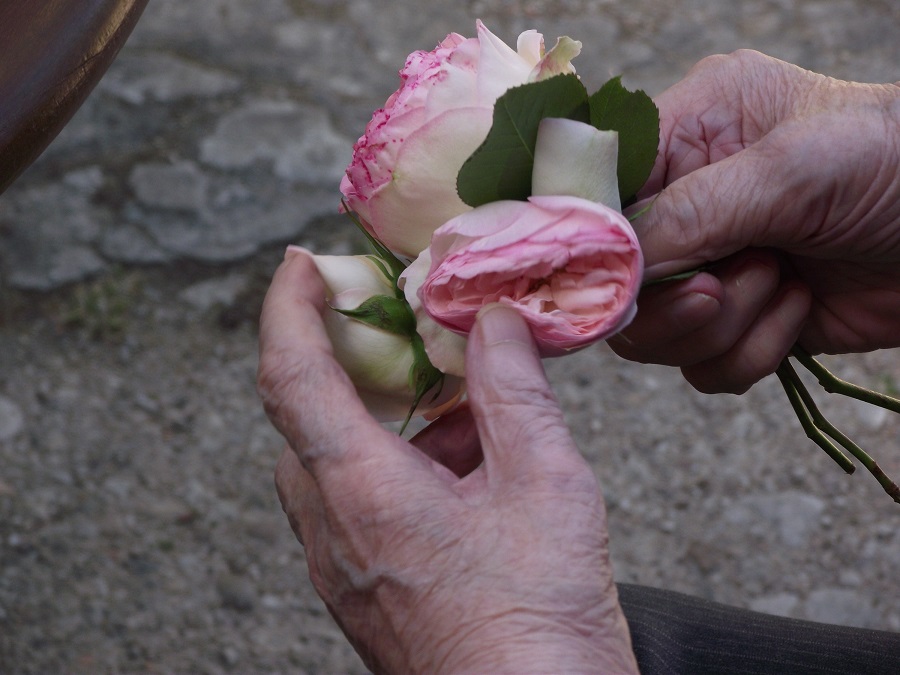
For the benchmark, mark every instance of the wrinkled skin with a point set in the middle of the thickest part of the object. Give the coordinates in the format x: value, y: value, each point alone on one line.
x: 482, y: 545
x: 789, y: 181
x: 479, y: 547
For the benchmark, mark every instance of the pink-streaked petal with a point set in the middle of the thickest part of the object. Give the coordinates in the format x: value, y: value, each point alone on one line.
x: 421, y: 195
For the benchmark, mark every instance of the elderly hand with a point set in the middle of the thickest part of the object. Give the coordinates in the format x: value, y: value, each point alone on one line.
x: 481, y: 546
x: 788, y: 180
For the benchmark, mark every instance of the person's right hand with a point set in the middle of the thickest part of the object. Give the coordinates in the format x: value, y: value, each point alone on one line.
x: 789, y: 182
x: 480, y: 546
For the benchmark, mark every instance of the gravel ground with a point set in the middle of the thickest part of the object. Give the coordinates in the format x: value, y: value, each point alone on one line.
x: 139, y: 528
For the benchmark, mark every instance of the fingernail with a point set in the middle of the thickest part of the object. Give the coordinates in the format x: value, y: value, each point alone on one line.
x: 694, y: 307
x: 503, y: 324
x: 294, y: 250
x: 755, y: 272
x: 794, y: 306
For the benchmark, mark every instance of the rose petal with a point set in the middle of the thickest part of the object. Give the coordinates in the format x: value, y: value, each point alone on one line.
x: 570, y: 266
x: 530, y: 46
x: 499, y: 66
x: 343, y: 272
x: 374, y: 359
x: 446, y: 350
x: 574, y: 158
x: 421, y: 195
x: 557, y: 60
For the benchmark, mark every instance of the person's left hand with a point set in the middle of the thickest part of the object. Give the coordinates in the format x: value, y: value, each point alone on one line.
x: 480, y: 546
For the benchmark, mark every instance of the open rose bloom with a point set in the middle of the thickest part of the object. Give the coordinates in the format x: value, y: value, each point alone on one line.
x: 571, y: 267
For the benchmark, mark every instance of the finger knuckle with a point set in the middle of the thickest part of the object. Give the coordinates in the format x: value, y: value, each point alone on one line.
x: 737, y: 62
x: 713, y: 62
x: 684, y: 211
x: 572, y: 475
x: 519, y: 394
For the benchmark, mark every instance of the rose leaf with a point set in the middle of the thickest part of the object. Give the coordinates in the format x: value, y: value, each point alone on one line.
x: 636, y: 118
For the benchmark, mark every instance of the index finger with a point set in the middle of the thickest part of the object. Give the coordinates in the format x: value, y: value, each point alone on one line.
x: 305, y: 392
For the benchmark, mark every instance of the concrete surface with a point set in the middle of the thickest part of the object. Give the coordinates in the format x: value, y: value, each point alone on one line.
x: 139, y: 530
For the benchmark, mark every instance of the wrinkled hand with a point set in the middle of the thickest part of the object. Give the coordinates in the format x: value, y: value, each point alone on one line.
x: 481, y: 546
x: 789, y: 180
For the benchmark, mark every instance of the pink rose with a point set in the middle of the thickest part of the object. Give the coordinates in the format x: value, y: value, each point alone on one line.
x: 572, y: 267
x: 402, y: 179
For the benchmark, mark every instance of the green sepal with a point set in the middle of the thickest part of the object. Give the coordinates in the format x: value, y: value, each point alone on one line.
x: 385, y: 312
x: 423, y: 377
x: 389, y: 264
x: 636, y: 118
x: 501, y: 167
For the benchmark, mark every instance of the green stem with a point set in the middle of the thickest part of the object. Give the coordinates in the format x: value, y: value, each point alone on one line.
x: 811, y: 411
x: 792, y: 387
x: 835, y: 385
x: 822, y: 422
x: 634, y: 216
x: 672, y: 277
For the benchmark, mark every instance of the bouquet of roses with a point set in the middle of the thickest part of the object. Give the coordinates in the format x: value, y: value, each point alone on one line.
x: 491, y: 175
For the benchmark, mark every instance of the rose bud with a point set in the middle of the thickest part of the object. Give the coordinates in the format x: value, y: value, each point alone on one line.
x: 379, y: 361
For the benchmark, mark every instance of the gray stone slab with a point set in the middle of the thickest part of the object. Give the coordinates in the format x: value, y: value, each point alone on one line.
x: 154, y: 76
x: 298, y: 142
x: 12, y: 419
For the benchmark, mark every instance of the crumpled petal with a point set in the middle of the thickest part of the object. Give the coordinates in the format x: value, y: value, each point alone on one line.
x: 557, y: 61
x: 576, y: 159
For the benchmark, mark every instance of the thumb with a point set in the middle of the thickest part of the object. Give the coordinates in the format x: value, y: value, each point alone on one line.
x: 519, y: 421
x: 751, y: 199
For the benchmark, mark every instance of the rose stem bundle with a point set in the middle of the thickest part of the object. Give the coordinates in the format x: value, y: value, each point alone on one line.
x: 814, y: 423
x: 819, y: 429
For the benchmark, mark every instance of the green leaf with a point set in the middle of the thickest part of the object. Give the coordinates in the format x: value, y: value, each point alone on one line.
x: 382, y: 311
x: 501, y: 167
x: 636, y: 118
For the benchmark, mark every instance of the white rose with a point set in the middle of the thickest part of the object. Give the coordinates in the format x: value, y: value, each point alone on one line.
x: 378, y: 362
